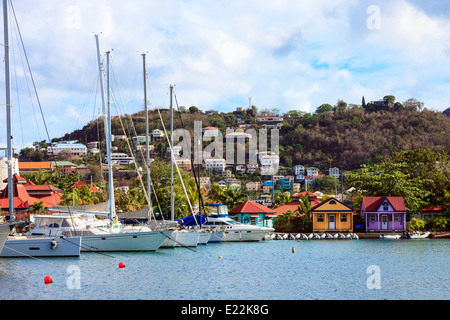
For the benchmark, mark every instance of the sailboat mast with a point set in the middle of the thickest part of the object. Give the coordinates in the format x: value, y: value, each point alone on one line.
x: 8, y: 113
x: 147, y: 152
x: 112, y: 207
x: 102, y: 90
x: 107, y: 123
x: 172, y: 203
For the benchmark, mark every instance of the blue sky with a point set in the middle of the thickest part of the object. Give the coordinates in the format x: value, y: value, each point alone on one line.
x: 284, y: 54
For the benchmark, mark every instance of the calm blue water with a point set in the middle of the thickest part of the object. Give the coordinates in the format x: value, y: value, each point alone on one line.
x: 323, y: 269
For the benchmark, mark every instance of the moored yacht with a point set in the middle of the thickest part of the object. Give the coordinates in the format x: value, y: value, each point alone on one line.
x: 233, y: 231
x: 98, y: 237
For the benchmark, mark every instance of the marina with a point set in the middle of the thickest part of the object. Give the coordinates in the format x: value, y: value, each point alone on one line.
x: 266, y: 270
x: 138, y: 217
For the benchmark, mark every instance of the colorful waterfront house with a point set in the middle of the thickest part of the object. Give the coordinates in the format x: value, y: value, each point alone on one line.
x: 383, y: 214
x: 331, y: 215
x: 253, y: 213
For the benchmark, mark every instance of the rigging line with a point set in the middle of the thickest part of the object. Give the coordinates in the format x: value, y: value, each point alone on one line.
x: 29, y: 95
x: 80, y: 114
x: 130, y: 120
x: 17, y: 88
x: 173, y: 158
x: 192, y: 162
x: 129, y: 147
x: 31, y: 74
x: 29, y: 256
x: 132, y: 155
x: 86, y: 247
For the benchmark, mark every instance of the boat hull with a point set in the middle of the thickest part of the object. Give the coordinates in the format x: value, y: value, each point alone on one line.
x: 216, y: 237
x: 203, y: 237
x: 244, y: 235
x: 170, y: 242
x: 16, y: 247
x: 4, y: 232
x: 125, y: 242
x: 187, y: 238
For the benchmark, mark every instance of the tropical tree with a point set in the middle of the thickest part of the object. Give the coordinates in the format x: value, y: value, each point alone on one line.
x: 282, y: 199
x: 37, y: 207
x: 420, y: 176
x: 232, y: 197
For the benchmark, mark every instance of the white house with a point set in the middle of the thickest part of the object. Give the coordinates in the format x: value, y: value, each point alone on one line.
x: 334, y: 172
x: 74, y: 148
x: 269, y: 164
x: 157, y: 135
x: 312, y: 171
x: 210, y: 132
x: 298, y: 169
x: 141, y: 139
x: 215, y: 164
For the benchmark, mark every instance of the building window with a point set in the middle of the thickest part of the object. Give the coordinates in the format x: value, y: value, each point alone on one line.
x: 320, y: 218
x: 332, y: 202
x: 343, y: 218
x: 385, y: 206
x: 373, y: 218
x: 396, y: 217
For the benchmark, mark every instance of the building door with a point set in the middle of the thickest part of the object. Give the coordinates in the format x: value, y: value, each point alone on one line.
x: 332, y: 222
x: 384, y: 222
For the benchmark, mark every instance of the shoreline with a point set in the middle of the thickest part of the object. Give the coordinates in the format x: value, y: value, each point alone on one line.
x: 361, y: 235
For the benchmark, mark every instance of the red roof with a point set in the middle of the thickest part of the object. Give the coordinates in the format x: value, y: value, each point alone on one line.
x: 16, y: 178
x: 82, y: 184
x: 371, y: 204
x: 250, y: 207
x: 41, y: 187
x: 303, y: 194
x: 22, y: 199
x: 433, y: 208
x: 293, y: 205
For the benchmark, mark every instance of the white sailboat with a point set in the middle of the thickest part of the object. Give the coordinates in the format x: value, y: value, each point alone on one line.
x: 23, y: 246
x: 182, y: 237
x: 116, y: 238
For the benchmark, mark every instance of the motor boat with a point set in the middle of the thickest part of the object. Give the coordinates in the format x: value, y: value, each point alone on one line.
x: 218, y: 220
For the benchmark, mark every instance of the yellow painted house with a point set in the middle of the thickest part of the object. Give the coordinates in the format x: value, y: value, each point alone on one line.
x: 331, y: 215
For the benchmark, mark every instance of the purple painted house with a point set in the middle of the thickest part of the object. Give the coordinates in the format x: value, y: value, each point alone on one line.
x: 383, y: 214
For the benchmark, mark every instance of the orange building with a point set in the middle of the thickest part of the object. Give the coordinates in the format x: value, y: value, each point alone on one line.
x: 331, y: 215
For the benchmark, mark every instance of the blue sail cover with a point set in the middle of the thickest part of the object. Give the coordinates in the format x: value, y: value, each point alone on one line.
x: 191, y: 221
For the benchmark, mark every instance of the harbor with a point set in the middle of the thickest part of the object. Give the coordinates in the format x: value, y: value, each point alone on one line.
x: 177, y: 204
x: 266, y: 270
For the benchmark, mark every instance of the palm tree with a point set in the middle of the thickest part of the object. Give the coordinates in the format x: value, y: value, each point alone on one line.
x: 282, y: 199
x: 215, y: 193
x: 37, y: 207
x: 232, y: 197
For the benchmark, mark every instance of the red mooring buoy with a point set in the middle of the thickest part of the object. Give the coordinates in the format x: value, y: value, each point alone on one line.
x: 48, y: 280
x: 121, y: 265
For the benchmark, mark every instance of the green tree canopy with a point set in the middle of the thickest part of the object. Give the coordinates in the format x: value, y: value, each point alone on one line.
x: 420, y: 176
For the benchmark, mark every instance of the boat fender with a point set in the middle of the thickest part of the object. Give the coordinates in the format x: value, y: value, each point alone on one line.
x: 53, y: 244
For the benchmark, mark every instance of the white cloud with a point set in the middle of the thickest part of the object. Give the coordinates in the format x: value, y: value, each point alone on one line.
x: 285, y: 54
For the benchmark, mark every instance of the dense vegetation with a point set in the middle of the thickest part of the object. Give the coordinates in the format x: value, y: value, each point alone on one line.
x: 340, y: 135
